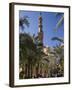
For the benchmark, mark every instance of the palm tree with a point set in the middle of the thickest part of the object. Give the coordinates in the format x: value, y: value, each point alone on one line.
x: 24, y: 21
x: 59, y: 50
x: 27, y: 50
x: 30, y: 54
x: 59, y: 54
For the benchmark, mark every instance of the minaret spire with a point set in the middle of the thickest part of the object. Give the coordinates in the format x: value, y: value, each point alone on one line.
x: 40, y: 22
x: 40, y: 31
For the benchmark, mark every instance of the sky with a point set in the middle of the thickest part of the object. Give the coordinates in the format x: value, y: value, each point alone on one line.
x: 49, y: 23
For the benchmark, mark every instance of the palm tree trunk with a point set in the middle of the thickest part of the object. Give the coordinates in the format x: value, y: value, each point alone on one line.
x: 37, y: 70
x: 31, y: 71
x: 26, y: 71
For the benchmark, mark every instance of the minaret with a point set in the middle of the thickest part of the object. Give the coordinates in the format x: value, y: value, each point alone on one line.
x: 40, y: 31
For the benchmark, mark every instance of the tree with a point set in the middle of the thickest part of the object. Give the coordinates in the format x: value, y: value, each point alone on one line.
x: 27, y: 51
x: 24, y: 21
x: 30, y: 53
x: 59, y: 54
x: 59, y: 49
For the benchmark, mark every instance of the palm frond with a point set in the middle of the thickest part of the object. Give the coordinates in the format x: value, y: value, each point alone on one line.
x: 58, y: 39
x: 59, y: 23
x: 24, y: 21
x: 58, y: 14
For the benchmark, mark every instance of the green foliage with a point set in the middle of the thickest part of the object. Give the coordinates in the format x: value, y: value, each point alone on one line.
x: 60, y: 21
x: 27, y: 47
x: 24, y: 21
x: 58, y: 39
x: 29, y: 53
